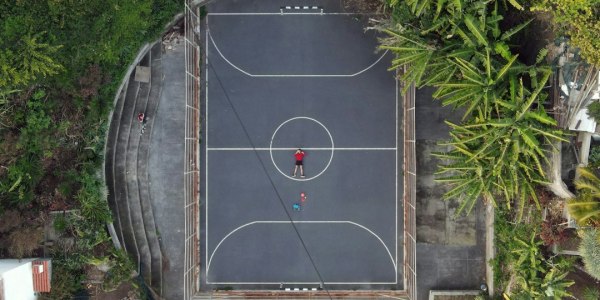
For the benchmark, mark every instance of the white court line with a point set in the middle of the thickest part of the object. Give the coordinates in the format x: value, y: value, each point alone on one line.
x: 308, y: 149
x: 291, y: 75
x: 209, y: 36
x: 298, y: 282
x: 287, y: 13
x: 396, y: 184
x: 206, y: 141
x: 308, y: 178
x: 299, y: 222
x: 392, y: 297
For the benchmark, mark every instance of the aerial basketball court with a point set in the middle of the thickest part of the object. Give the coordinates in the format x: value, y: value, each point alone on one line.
x: 277, y: 79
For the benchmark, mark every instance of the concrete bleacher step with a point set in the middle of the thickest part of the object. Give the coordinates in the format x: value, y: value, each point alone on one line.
x: 111, y: 141
x: 120, y: 170
x: 126, y: 168
x: 143, y: 176
x: 133, y: 195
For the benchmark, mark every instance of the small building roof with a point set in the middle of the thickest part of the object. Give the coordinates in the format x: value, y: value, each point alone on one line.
x: 41, y: 271
x: 582, y: 122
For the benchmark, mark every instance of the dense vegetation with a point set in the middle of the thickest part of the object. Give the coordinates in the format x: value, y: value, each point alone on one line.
x: 60, y: 65
x: 578, y: 19
x: 585, y: 209
x: 521, y: 268
x: 472, y: 53
x: 464, y: 50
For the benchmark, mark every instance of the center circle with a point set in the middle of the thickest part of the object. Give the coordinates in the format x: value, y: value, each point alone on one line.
x: 275, y: 134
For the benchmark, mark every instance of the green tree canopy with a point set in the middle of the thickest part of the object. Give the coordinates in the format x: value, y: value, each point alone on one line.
x: 579, y: 20
x: 585, y: 208
x: 458, y: 47
x: 500, y: 157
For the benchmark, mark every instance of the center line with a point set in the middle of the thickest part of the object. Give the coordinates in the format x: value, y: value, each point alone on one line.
x: 292, y: 149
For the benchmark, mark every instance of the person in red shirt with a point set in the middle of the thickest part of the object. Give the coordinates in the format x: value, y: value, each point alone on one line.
x: 142, y: 120
x: 299, y: 162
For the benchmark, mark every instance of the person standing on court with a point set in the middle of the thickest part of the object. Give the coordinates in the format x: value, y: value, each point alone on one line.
x: 299, y: 163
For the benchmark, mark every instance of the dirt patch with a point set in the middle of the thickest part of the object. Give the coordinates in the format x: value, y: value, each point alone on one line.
x: 538, y: 35
x: 583, y: 281
x: 125, y: 291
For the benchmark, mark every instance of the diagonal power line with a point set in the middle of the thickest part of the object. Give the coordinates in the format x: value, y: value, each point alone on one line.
x: 262, y: 164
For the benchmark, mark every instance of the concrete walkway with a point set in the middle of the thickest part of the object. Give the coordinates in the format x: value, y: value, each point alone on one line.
x: 450, y: 250
x: 166, y: 170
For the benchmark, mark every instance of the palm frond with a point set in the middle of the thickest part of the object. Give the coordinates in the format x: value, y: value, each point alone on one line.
x: 509, y: 33
x: 475, y: 29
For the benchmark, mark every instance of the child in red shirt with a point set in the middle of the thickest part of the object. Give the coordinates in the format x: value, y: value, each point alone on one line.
x: 299, y: 162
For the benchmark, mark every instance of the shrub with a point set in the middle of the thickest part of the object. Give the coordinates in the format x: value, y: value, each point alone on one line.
x: 122, y: 270
x: 23, y: 241
x: 60, y: 223
x: 594, y: 111
x: 594, y: 158
x: 585, y: 208
x: 10, y: 219
x: 579, y: 20
x: 65, y: 281
x: 590, y: 293
x: 590, y: 251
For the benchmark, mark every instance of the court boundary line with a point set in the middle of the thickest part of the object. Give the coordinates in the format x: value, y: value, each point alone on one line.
x: 295, y: 148
x: 207, y: 149
x: 206, y: 144
x: 209, y: 261
x: 300, y: 282
x: 290, y: 13
x: 288, y: 75
x: 396, y: 181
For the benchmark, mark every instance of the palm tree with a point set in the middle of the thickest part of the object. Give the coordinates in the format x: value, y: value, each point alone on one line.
x: 585, y: 208
x: 476, y: 88
x: 440, y: 48
x: 529, y: 266
x: 500, y: 156
x: 424, y: 60
x: 555, y: 286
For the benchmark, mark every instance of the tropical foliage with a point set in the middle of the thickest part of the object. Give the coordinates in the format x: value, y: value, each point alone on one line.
x: 520, y: 268
x: 498, y: 151
x: 459, y: 47
x: 585, y: 208
x: 431, y: 40
x: 590, y: 251
x: 26, y: 61
x: 594, y: 111
x: 579, y: 19
x: 60, y: 64
x: 594, y: 157
x: 591, y: 293
x: 500, y: 157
